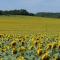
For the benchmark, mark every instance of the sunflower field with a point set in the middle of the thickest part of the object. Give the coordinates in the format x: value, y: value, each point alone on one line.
x: 29, y: 47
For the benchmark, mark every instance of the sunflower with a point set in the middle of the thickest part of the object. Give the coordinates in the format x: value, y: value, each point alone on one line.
x: 13, y: 43
x: 20, y: 58
x: 59, y: 45
x: 1, y: 58
x: 14, y: 51
x: 39, y: 52
x: 54, y: 45
x: 45, y: 57
x: 4, y: 49
x: 1, y: 35
x: 22, y: 49
x: 49, y: 46
x: 57, y: 58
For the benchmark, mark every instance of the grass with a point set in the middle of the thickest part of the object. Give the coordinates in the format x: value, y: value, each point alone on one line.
x: 16, y: 24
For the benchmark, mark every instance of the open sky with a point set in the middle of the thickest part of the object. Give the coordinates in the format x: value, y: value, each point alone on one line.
x: 31, y: 5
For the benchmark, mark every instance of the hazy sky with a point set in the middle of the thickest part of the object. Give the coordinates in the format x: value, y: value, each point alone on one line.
x: 31, y: 5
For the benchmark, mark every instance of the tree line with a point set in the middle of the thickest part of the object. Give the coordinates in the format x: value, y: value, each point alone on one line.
x: 25, y: 12
x: 48, y: 14
x: 16, y: 12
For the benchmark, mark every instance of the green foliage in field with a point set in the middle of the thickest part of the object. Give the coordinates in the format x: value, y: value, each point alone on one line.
x: 29, y: 46
x: 16, y: 12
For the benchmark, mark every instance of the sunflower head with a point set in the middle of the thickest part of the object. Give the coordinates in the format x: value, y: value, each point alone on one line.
x: 45, y: 57
x: 22, y: 49
x: 49, y: 46
x: 13, y: 43
x: 54, y: 45
x: 20, y: 58
x: 57, y: 58
x: 14, y: 50
x: 39, y: 51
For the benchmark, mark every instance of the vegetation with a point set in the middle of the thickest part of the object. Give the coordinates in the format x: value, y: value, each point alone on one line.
x: 25, y: 12
x: 28, y: 24
x: 48, y: 14
x: 16, y: 12
x: 29, y: 46
x: 29, y: 38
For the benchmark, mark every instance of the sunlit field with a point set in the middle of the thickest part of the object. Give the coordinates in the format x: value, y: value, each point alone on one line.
x: 28, y: 24
x: 29, y: 38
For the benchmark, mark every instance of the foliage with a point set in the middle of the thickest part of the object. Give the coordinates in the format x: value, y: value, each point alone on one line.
x: 25, y: 12
x: 29, y: 47
x: 48, y: 14
x: 16, y: 12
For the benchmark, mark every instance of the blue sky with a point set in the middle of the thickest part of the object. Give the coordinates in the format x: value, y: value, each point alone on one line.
x: 31, y: 5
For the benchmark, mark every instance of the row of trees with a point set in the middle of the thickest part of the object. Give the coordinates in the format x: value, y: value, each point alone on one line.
x: 48, y: 14
x: 16, y: 12
x: 25, y: 12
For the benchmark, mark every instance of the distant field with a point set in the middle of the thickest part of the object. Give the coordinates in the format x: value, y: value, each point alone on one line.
x: 18, y: 24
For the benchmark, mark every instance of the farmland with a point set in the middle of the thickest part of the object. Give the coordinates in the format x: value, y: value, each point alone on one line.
x: 28, y: 24
x: 29, y: 38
